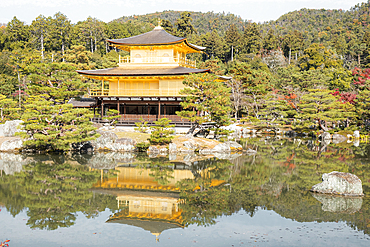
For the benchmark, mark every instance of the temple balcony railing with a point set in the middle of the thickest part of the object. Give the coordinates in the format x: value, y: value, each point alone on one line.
x: 157, y: 60
x: 135, y: 92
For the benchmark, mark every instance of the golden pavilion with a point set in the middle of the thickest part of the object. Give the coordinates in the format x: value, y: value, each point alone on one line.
x: 147, y: 83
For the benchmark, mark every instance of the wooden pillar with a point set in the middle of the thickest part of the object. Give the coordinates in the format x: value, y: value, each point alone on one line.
x: 164, y: 110
x: 148, y: 111
x: 124, y: 110
x: 159, y: 110
x: 102, y: 109
x: 102, y: 87
x: 118, y: 106
x: 94, y: 110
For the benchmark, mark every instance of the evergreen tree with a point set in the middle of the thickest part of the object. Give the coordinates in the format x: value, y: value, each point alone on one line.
x: 59, y: 81
x: 60, y: 33
x: 232, y: 39
x: 17, y: 34
x: 161, y: 132
x: 40, y: 30
x: 184, y: 26
x: 54, y: 127
x: 270, y: 41
x: 292, y: 44
x: 8, y: 109
x: 317, y: 56
x: 320, y: 106
x: 207, y: 100
x: 252, y: 39
x: 167, y: 26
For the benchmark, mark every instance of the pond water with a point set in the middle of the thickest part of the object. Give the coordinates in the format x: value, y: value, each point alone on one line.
x: 118, y: 199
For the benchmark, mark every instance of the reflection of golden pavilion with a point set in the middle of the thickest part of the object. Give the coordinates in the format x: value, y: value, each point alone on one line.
x: 151, y: 211
x: 143, y: 201
x: 143, y: 179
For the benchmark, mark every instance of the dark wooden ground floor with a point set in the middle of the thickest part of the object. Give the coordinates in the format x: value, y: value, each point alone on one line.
x: 132, y: 110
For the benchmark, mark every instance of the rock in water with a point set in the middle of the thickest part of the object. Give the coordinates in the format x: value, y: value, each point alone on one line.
x: 339, y: 183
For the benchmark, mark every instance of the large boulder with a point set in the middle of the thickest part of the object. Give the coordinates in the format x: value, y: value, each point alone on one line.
x: 339, y: 204
x: 11, y: 145
x: 153, y: 150
x: 105, y: 140
x: 109, y: 141
x: 9, y: 128
x: 235, y: 128
x: 339, y: 183
x: 124, y: 145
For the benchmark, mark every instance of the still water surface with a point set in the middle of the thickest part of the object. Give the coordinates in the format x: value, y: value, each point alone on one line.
x: 185, y: 200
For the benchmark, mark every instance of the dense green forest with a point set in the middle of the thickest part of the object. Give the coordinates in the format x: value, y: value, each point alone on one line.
x: 309, y: 68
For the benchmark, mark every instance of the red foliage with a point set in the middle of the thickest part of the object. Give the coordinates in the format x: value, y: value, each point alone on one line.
x: 289, y: 99
x: 361, y: 76
x: 345, y: 97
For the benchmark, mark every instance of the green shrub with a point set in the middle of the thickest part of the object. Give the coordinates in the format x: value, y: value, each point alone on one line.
x: 161, y: 132
x: 142, y: 126
x: 142, y: 146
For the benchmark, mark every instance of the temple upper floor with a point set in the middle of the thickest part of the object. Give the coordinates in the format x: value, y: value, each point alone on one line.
x: 161, y: 57
x: 156, y: 47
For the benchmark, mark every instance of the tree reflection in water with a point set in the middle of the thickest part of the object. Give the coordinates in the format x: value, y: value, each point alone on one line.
x: 277, y: 178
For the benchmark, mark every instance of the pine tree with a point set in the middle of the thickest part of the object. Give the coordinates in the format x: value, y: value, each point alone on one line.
x: 17, y: 35
x: 232, y: 39
x: 54, y: 127
x: 59, y: 81
x: 60, y: 32
x: 207, y: 100
x: 270, y: 42
x: 252, y: 39
x: 161, y: 132
x: 184, y: 26
x: 320, y: 107
x: 8, y: 109
x: 40, y: 30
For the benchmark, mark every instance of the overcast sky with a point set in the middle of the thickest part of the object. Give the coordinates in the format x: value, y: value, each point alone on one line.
x: 107, y: 10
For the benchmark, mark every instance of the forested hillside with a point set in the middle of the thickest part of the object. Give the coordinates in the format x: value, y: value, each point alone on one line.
x: 202, y: 22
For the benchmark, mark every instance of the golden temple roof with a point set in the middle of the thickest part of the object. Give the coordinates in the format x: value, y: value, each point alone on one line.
x: 142, y: 71
x: 158, y: 36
